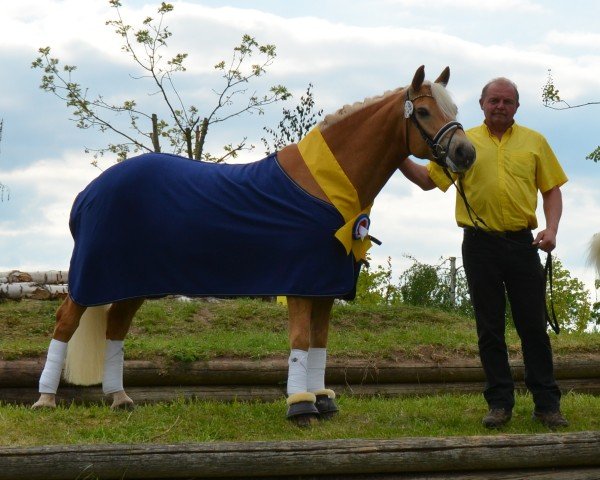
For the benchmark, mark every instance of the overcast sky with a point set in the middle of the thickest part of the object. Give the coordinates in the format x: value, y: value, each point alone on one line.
x: 348, y: 50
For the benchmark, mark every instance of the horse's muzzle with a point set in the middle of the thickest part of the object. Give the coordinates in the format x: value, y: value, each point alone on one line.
x: 461, y: 157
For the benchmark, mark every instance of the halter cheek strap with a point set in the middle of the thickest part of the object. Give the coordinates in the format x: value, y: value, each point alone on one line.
x: 439, y: 152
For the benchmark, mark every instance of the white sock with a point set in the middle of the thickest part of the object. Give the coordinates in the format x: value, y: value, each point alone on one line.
x: 317, y: 357
x: 113, y: 367
x: 297, y: 371
x: 55, y: 360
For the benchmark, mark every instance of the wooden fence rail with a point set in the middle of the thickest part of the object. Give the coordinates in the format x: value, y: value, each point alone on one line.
x: 229, y: 379
x: 562, y: 453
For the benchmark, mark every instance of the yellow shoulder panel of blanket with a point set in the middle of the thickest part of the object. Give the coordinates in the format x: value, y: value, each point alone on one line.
x: 328, y: 173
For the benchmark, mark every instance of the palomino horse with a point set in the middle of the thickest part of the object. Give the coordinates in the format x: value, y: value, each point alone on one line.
x: 134, y: 222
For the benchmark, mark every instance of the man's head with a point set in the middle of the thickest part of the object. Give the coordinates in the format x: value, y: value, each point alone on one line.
x: 499, y: 102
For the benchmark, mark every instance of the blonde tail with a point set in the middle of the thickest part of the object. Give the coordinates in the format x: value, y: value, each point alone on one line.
x: 594, y: 252
x: 85, y: 353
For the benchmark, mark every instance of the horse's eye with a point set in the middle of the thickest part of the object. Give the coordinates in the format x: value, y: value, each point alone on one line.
x: 422, y: 112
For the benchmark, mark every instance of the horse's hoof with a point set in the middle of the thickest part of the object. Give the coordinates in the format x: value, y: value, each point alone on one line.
x: 325, y: 403
x: 301, y: 409
x: 46, y: 400
x: 122, y: 406
x: 121, y: 401
x: 304, y: 420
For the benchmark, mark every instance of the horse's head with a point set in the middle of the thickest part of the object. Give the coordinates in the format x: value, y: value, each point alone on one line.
x: 432, y: 129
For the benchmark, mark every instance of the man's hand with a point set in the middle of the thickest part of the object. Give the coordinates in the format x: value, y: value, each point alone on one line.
x: 545, y: 240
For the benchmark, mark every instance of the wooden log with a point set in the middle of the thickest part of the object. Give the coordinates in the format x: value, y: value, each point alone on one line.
x: 569, y: 473
x: 23, y: 373
x: 527, y: 474
x: 228, y: 393
x: 293, y: 458
x: 32, y: 290
x: 49, y: 277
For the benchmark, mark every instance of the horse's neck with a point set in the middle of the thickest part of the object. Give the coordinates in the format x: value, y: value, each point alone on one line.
x: 369, y: 144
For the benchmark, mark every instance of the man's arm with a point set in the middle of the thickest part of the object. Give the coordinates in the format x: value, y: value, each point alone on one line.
x: 552, y: 200
x: 418, y: 174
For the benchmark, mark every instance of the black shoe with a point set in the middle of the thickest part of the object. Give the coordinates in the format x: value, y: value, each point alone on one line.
x: 496, y: 418
x: 551, y: 420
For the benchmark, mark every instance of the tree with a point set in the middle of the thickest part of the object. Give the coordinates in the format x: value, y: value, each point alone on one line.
x: 295, y: 123
x: 551, y: 99
x: 430, y: 286
x: 375, y: 287
x: 183, y: 127
x: 570, y: 299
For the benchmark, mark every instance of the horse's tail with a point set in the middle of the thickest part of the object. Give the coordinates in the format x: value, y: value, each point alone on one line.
x: 85, y: 354
x: 594, y: 252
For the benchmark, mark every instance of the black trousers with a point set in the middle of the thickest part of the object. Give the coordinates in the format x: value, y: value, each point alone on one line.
x: 506, y: 265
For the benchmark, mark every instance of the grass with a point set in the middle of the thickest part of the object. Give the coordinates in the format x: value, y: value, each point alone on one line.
x: 199, y: 421
x: 253, y: 329
x: 189, y: 331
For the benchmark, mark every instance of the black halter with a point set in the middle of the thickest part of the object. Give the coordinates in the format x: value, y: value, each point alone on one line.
x: 439, y: 151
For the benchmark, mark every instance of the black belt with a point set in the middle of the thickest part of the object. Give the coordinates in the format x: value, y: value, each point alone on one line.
x: 516, y: 234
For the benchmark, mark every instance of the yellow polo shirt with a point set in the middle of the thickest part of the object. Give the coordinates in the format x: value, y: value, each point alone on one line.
x: 502, y: 185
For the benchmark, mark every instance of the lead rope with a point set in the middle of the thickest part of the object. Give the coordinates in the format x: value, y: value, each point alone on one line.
x: 551, y: 320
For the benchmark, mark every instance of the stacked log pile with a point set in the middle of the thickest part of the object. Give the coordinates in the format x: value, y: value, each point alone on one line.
x: 35, y: 285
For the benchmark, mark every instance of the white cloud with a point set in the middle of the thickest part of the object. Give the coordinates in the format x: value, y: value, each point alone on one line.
x: 35, y: 219
x: 586, y: 40
x: 521, y: 6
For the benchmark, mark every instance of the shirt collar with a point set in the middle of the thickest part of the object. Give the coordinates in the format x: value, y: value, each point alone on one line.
x: 505, y: 136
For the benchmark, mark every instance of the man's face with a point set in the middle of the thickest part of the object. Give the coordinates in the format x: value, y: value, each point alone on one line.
x: 499, y: 105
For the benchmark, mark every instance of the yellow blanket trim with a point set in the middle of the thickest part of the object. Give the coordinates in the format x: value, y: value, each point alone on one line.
x: 328, y: 173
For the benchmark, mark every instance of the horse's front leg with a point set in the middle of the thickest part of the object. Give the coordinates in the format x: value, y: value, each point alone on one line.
x: 301, y: 402
x: 317, y: 358
x: 67, y: 321
x: 120, y: 315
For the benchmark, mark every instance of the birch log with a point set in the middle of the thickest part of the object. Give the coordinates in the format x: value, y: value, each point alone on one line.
x: 46, y: 285
x: 19, y: 290
x: 49, y: 277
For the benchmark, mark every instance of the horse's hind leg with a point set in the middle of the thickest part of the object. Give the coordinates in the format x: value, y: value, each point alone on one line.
x: 67, y: 320
x: 120, y: 314
x: 317, y: 358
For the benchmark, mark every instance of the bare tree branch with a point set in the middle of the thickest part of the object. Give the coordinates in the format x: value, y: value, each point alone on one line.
x: 145, y: 46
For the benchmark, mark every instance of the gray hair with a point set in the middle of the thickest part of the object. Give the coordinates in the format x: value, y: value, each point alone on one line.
x: 500, y: 80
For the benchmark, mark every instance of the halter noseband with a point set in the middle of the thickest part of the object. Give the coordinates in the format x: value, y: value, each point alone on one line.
x: 438, y: 151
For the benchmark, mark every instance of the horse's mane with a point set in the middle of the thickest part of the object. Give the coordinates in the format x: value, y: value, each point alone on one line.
x: 440, y: 94
x: 444, y: 100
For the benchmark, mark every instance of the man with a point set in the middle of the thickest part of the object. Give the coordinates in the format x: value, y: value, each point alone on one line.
x: 500, y: 252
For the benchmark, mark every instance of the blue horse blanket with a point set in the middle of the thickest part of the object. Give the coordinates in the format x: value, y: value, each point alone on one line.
x: 160, y: 224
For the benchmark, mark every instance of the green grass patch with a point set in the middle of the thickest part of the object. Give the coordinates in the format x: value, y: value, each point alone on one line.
x: 198, y: 421
x: 249, y: 328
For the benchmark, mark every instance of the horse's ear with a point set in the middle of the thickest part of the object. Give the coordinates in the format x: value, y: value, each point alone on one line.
x: 418, y: 78
x: 444, y: 77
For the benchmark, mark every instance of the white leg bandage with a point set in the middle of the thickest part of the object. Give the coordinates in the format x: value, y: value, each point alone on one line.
x: 50, y: 378
x: 317, y: 358
x: 113, y: 367
x: 297, y: 372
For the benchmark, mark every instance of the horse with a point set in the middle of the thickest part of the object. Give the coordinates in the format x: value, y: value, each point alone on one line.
x: 133, y: 213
